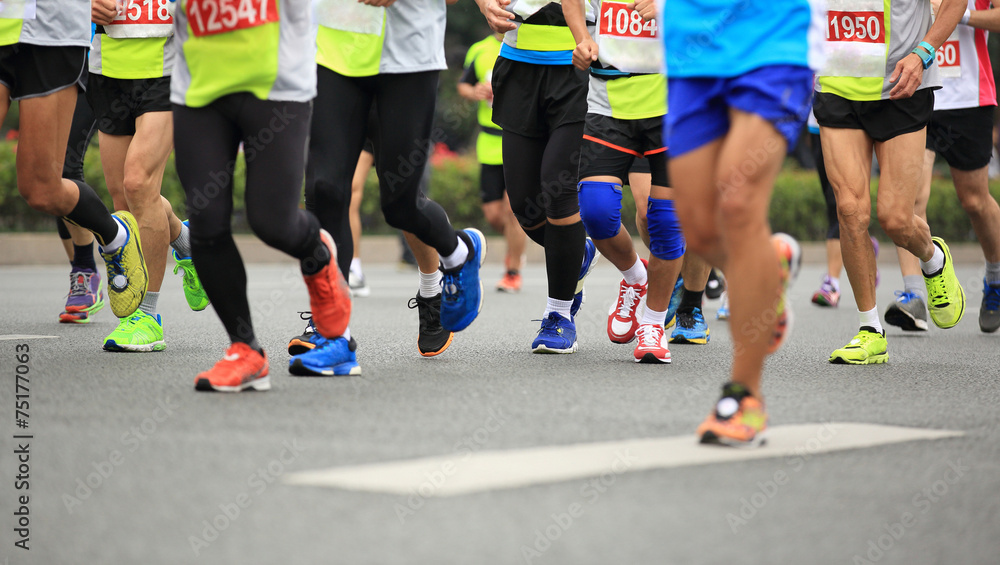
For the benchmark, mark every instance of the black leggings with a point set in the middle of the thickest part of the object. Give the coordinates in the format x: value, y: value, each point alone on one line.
x: 80, y: 133
x: 833, y: 231
x: 404, y: 105
x: 541, y: 173
x: 206, y: 141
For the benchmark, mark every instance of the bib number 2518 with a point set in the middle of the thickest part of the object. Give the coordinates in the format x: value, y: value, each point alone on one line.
x: 210, y: 17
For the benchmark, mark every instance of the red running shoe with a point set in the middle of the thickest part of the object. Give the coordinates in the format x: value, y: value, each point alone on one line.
x: 240, y: 369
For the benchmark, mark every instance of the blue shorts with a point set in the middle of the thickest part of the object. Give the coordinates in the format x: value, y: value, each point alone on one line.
x: 699, y: 107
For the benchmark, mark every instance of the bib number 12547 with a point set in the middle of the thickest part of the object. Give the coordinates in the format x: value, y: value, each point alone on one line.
x: 209, y: 17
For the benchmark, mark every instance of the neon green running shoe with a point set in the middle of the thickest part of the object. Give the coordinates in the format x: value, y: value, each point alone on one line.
x: 194, y: 293
x: 867, y: 348
x: 127, y: 274
x: 945, y: 297
x: 139, y: 332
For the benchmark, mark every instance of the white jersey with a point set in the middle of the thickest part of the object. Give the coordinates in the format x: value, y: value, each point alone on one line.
x: 51, y: 23
x: 964, y: 63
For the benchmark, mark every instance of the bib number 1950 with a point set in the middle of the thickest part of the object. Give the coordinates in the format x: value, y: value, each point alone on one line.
x: 865, y: 27
x: 209, y: 17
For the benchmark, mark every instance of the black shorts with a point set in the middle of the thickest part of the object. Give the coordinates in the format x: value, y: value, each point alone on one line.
x: 118, y: 102
x: 532, y: 100
x: 612, y: 145
x: 30, y: 71
x: 491, y: 185
x: 882, y: 120
x: 640, y: 166
x: 964, y: 137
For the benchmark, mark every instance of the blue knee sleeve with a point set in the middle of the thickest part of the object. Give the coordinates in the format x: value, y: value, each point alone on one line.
x: 600, y: 208
x: 665, y: 238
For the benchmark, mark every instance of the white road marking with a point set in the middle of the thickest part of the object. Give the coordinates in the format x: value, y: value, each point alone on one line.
x: 19, y: 337
x: 464, y: 473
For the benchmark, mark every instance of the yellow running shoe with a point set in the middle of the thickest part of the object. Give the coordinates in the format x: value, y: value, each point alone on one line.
x: 867, y: 348
x: 945, y: 297
x: 140, y: 332
x: 127, y: 275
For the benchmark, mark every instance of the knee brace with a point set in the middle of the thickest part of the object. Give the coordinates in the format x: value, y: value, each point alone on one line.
x: 666, y: 241
x: 600, y: 208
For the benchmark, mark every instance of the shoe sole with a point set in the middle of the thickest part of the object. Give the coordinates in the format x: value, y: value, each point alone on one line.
x: 442, y: 349
x: 621, y: 339
x: 508, y: 290
x: 652, y: 358
x: 261, y: 384
x: 690, y: 341
x: 987, y: 328
x: 545, y: 349
x: 298, y: 347
x: 870, y: 360
x: 131, y: 348
x: 712, y: 438
x: 818, y: 301
x: 361, y: 292
x: 131, y: 306
x: 297, y: 368
x: 903, y: 320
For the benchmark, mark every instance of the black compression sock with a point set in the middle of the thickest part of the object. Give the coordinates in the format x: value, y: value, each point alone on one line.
x: 90, y: 213
x: 537, y: 235
x: 317, y: 260
x: 564, y: 251
x: 83, y: 257
x: 690, y: 300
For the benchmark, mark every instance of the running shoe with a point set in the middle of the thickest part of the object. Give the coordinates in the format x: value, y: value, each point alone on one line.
x: 85, y: 299
x: 738, y: 420
x: 127, y: 274
x: 329, y: 296
x: 723, y: 312
x: 330, y: 357
x: 907, y: 312
x: 869, y: 347
x: 358, y: 284
x: 989, y: 313
x: 511, y: 282
x: 462, y: 295
x: 140, y: 332
x: 827, y: 295
x: 240, y: 369
x: 194, y: 293
x: 675, y: 301
x: 691, y: 328
x: 790, y: 259
x: 716, y: 284
x: 590, y: 256
x: 945, y: 297
x: 557, y: 335
x: 652, y: 345
x: 432, y: 339
x: 623, y: 319
x: 307, y: 340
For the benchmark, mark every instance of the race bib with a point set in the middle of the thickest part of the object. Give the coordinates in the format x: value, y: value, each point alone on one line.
x: 855, y: 39
x: 211, y: 17
x: 142, y: 18
x: 527, y: 8
x: 350, y: 15
x: 949, y: 57
x: 627, y: 42
x: 17, y: 9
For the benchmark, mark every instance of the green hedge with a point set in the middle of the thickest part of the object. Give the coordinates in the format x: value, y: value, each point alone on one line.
x: 797, y: 205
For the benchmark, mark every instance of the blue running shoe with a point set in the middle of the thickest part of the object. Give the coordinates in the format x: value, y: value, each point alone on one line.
x: 462, y: 291
x: 590, y: 255
x: 329, y: 357
x: 723, y: 312
x: 989, y: 313
x: 691, y: 328
x: 557, y: 335
x: 675, y: 301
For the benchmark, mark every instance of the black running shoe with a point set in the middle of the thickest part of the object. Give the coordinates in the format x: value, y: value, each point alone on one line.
x: 716, y: 284
x: 305, y: 342
x: 433, y: 339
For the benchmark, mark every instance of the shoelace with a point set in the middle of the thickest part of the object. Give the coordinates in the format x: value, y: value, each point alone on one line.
x: 904, y: 296
x: 548, y: 323
x: 308, y: 318
x: 76, y: 287
x: 628, y: 299
x: 451, y: 285
x: 649, y: 336
x: 991, y: 298
x: 429, y: 314
x: 686, y: 320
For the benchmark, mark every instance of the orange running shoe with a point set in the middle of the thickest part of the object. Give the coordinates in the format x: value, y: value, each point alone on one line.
x: 511, y: 282
x: 738, y: 420
x: 329, y: 295
x: 240, y: 369
x: 790, y: 258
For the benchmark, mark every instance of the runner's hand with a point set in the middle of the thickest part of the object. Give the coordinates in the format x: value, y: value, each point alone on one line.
x: 499, y: 19
x: 484, y: 91
x: 909, y: 73
x: 585, y: 54
x: 103, y: 12
x: 646, y: 8
x: 379, y: 3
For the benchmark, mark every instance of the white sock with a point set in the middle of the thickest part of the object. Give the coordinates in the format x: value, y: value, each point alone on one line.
x: 148, y: 304
x: 560, y: 307
x: 992, y: 273
x: 182, y: 245
x: 347, y: 334
x: 935, y: 264
x: 636, y: 274
x: 457, y: 257
x: 916, y: 285
x: 870, y: 319
x: 430, y: 284
x: 650, y: 316
x: 119, y: 240
x: 356, y: 265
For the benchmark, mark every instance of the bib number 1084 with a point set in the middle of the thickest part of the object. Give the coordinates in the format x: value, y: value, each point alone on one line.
x: 209, y: 17
x: 617, y: 20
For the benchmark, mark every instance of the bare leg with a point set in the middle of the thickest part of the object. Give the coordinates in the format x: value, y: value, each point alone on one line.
x: 908, y: 264
x: 662, y: 273
x: 641, y: 184
x: 974, y: 194
x: 365, y: 163
x: 834, y: 260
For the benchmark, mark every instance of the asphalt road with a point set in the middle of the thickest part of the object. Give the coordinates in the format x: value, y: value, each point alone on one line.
x: 182, y: 477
